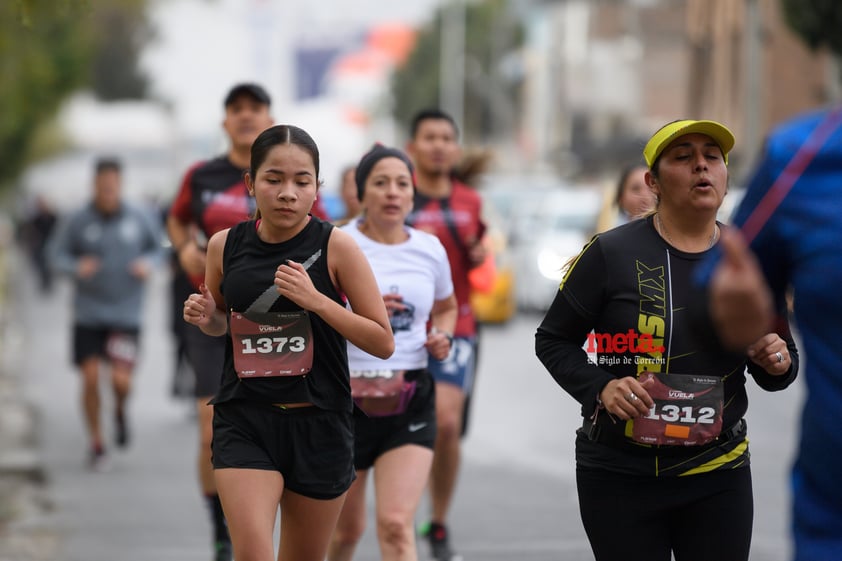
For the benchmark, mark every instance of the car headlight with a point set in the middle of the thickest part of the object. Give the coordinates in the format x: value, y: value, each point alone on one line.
x: 550, y: 263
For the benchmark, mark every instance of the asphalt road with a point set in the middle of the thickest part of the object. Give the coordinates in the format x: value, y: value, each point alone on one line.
x: 516, y: 497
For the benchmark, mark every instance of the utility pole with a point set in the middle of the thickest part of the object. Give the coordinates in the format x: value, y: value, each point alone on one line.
x: 452, y: 62
x: 754, y: 92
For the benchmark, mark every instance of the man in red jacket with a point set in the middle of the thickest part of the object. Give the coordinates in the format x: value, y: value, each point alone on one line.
x: 452, y: 211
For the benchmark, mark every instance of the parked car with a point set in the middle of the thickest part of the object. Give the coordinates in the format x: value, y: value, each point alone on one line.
x: 547, y: 222
x: 553, y: 235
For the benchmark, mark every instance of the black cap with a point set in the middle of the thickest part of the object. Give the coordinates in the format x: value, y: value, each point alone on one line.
x: 370, y: 158
x: 249, y: 89
x: 107, y: 163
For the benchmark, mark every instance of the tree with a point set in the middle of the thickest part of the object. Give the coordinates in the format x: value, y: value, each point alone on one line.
x: 817, y: 22
x: 122, y: 32
x: 492, y: 35
x: 49, y: 49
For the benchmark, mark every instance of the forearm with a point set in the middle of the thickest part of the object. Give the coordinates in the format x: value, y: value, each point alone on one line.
x: 444, y: 315
x: 59, y: 256
x: 152, y: 257
x: 364, y: 333
x: 64, y: 264
x: 179, y: 233
x: 558, y: 345
x: 568, y: 364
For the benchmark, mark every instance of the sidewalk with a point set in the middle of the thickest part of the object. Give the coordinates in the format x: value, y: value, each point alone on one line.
x: 24, y: 533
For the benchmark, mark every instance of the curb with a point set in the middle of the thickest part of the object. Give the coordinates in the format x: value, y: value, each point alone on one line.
x: 24, y: 536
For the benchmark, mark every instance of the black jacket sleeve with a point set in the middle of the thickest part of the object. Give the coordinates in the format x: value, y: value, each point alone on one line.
x: 558, y: 345
x: 572, y: 315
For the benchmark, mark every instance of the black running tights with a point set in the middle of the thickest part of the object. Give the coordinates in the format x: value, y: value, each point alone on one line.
x: 701, y: 517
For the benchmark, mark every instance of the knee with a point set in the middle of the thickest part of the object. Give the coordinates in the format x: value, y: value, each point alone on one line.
x: 121, y: 379
x: 448, y: 425
x: 348, y: 533
x: 395, y: 533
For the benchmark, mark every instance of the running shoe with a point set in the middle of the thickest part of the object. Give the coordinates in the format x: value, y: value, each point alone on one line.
x: 440, y: 549
x: 98, y: 460
x: 224, y: 551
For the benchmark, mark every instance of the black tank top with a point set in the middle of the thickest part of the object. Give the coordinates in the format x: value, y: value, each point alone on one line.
x: 249, y: 266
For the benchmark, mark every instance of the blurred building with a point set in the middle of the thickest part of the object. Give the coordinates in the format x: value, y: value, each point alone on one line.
x: 604, y: 74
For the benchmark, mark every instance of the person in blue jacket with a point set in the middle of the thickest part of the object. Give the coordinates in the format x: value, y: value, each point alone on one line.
x: 791, y: 217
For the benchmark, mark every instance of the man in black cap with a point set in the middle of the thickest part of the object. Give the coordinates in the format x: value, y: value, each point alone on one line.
x: 255, y: 91
x: 214, y: 197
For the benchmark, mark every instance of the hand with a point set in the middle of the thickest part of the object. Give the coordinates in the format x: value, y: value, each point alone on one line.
x: 293, y: 282
x: 139, y: 268
x: 87, y: 266
x: 477, y: 252
x: 394, y: 303
x: 626, y: 398
x: 438, y: 344
x: 198, y: 308
x: 740, y: 300
x: 771, y: 354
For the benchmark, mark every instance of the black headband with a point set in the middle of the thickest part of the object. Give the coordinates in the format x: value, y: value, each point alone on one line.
x: 370, y: 159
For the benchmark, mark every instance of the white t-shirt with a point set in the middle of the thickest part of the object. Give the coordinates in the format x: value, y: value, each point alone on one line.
x: 417, y: 270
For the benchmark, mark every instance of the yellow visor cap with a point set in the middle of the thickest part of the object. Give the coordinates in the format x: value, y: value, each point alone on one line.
x: 669, y: 132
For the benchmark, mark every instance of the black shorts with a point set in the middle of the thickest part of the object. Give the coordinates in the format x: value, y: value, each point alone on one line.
x: 111, y: 343
x: 374, y: 436
x: 206, y: 355
x: 312, y: 448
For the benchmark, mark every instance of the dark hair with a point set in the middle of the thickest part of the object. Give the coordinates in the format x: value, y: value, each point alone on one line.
x: 431, y: 114
x: 655, y: 168
x: 276, y: 136
x: 370, y: 159
x: 624, y: 176
x: 255, y: 91
x: 107, y: 163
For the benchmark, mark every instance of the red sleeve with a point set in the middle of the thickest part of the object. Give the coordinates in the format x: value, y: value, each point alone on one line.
x: 468, y: 196
x: 181, y: 208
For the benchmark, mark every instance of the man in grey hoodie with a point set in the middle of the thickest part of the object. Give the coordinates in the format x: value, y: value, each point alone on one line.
x: 108, y: 248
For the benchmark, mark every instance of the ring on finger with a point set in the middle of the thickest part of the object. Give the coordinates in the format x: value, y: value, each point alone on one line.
x: 631, y: 397
x: 780, y: 356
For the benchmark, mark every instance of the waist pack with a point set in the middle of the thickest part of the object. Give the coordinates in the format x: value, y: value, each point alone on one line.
x: 381, y: 393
